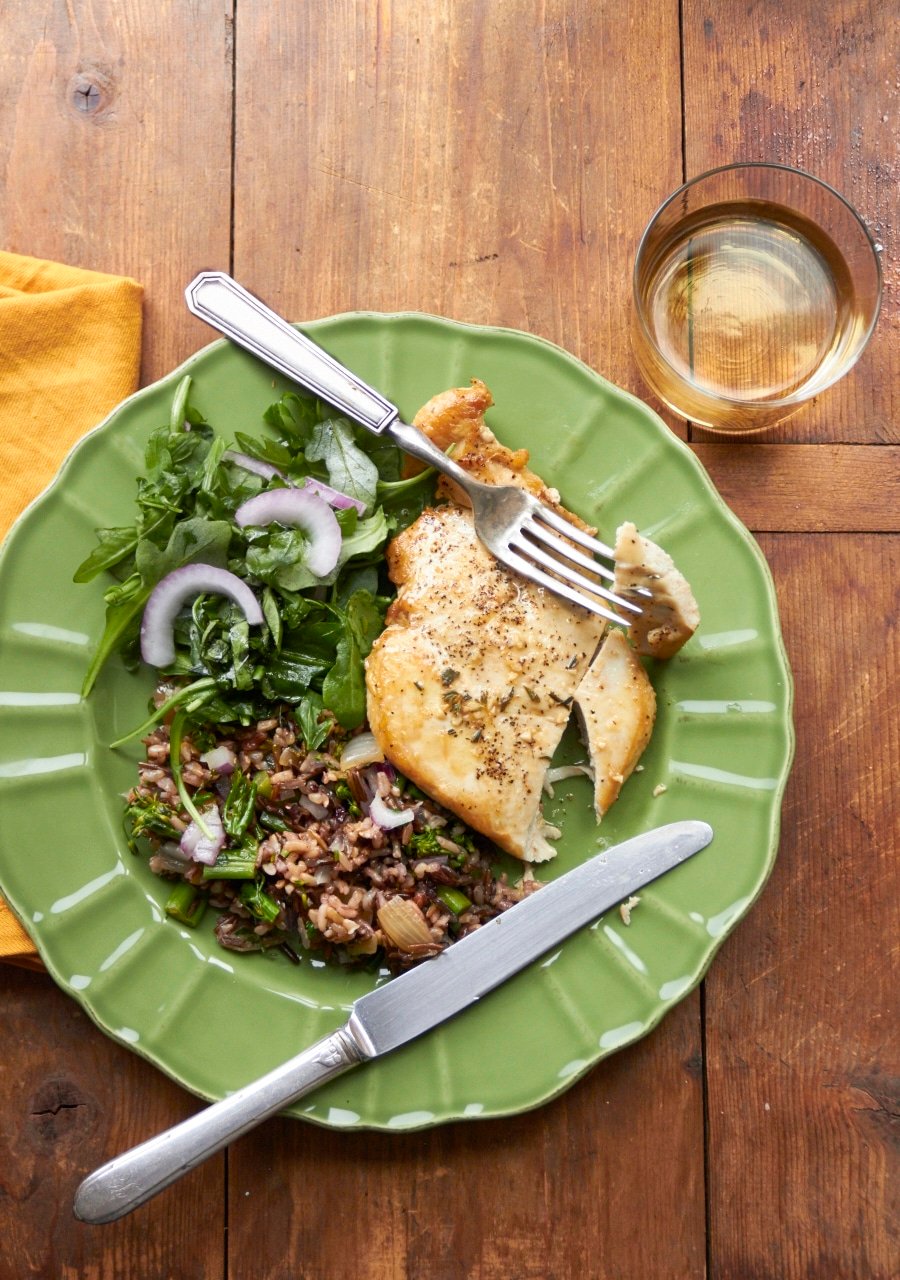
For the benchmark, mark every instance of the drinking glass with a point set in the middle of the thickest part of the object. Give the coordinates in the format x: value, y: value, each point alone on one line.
x: 756, y: 287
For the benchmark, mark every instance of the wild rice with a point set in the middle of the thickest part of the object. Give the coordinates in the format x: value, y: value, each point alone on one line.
x: 327, y: 867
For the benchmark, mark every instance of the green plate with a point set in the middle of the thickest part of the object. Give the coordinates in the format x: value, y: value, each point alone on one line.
x: 214, y: 1020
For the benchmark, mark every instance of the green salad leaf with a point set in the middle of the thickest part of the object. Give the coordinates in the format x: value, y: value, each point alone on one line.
x: 317, y: 630
x: 349, y: 469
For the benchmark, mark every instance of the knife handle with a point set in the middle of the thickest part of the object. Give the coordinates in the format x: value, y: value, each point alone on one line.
x: 215, y: 297
x: 133, y: 1178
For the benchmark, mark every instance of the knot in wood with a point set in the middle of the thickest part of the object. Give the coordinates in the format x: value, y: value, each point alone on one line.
x: 90, y: 92
x: 57, y: 1110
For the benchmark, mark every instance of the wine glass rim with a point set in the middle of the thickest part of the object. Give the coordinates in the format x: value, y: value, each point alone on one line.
x: 797, y: 397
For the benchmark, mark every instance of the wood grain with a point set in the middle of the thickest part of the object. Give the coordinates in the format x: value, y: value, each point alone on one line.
x: 116, y: 148
x: 115, y: 155
x: 487, y: 164
x: 72, y: 1099
x: 496, y: 163
x: 556, y: 1194
x: 811, y: 84
x: 807, y: 487
x: 803, y: 1053
x: 482, y: 162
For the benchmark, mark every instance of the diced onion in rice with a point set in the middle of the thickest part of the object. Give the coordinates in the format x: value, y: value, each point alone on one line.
x: 360, y: 751
x: 404, y: 924
x: 386, y: 817
x: 317, y: 810
x: 220, y: 759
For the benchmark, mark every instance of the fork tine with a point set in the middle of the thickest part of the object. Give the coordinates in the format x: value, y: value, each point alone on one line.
x: 558, y: 567
x: 569, y: 530
x: 529, y: 570
x: 562, y: 548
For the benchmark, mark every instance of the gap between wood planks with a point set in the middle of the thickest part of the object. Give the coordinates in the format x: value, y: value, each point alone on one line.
x: 808, y: 488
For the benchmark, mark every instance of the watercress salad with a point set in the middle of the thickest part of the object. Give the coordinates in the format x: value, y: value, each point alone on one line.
x: 316, y: 627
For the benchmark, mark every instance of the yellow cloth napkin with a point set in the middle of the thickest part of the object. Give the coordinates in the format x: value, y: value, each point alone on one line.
x: 70, y: 350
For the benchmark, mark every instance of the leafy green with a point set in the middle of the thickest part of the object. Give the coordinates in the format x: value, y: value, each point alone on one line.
x: 193, y: 541
x: 314, y: 727
x: 122, y: 622
x: 258, y: 902
x: 344, y: 687
x: 294, y: 414
x: 112, y: 546
x: 349, y: 469
x: 368, y: 535
x: 238, y: 810
x: 365, y: 619
x: 317, y: 631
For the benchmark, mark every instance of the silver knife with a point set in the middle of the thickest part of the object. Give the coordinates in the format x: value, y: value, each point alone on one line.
x: 396, y: 1013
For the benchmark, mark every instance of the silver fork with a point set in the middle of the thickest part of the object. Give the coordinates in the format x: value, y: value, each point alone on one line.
x: 523, y: 533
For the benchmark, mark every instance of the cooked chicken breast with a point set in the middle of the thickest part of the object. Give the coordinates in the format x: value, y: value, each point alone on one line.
x: 470, y: 684
x: 616, y: 705
x: 671, y: 617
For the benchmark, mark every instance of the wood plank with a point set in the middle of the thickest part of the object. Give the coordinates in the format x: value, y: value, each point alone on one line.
x: 115, y: 155
x: 557, y: 1194
x: 486, y: 167
x: 116, y: 150
x: 811, y: 84
x: 72, y: 1099
x: 801, y: 1005
x: 808, y: 487
x: 489, y: 166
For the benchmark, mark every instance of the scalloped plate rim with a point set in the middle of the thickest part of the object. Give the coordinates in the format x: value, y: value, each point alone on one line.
x: 644, y: 1026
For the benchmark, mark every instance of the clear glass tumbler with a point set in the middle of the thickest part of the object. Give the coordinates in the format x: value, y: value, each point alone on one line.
x: 756, y: 287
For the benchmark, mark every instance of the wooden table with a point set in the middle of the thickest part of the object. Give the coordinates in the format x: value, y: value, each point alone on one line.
x: 496, y: 162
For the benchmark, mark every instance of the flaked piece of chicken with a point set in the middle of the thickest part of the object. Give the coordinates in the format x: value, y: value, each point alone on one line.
x: 671, y: 616
x: 616, y: 705
x: 470, y: 684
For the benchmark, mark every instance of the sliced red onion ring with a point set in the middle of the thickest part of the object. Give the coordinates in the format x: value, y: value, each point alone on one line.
x: 334, y: 497
x: 171, y: 592
x: 255, y: 466
x: 387, y: 818
x: 304, y: 510
x: 197, y: 846
x: 268, y: 471
x: 220, y: 759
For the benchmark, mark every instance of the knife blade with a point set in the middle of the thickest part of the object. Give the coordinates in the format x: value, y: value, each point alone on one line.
x: 396, y: 1013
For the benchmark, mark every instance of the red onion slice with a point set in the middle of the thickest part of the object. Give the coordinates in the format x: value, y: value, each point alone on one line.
x: 334, y: 497
x: 303, y: 510
x: 171, y: 592
x: 387, y: 818
x: 197, y: 846
x: 268, y: 471
x: 255, y: 466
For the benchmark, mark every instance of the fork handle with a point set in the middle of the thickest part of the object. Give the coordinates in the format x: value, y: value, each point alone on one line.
x: 214, y: 297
